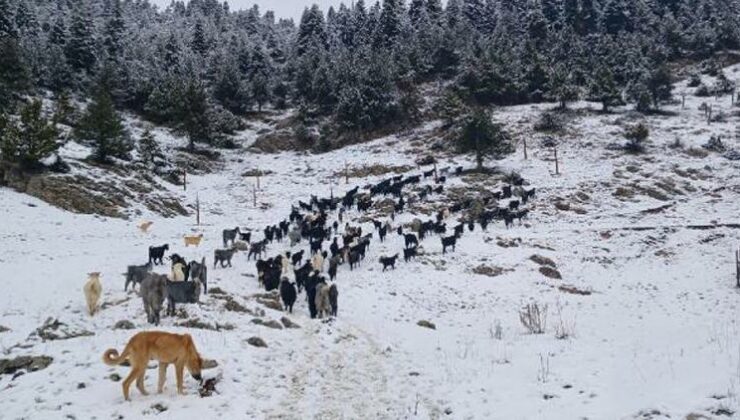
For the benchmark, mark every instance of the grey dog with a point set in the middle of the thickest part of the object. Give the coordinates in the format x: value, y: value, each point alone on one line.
x: 153, y: 292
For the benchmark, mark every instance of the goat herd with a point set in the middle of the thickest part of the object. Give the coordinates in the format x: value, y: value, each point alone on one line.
x: 310, y: 223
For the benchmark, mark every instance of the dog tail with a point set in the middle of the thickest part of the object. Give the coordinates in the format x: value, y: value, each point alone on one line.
x: 111, y: 357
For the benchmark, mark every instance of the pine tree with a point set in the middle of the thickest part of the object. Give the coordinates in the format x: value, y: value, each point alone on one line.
x: 390, y: 23
x: 64, y: 111
x: 102, y: 127
x: 312, y: 31
x: 149, y: 150
x: 615, y: 17
x: 415, y: 9
x: 14, y: 72
x: 227, y: 90
x: 561, y: 85
x: 435, y: 11
x: 80, y: 48
x: 199, y: 43
x: 25, y: 19
x: 588, y: 18
x: 483, y: 138
x: 603, y: 88
x: 29, y: 140
x: 114, y: 31
x: 7, y: 25
x: 193, y: 113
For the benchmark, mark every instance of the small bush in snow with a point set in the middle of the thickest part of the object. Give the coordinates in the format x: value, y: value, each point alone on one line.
x: 534, y: 318
x: 636, y: 136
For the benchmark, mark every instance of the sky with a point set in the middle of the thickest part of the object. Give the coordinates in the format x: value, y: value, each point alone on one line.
x: 282, y: 8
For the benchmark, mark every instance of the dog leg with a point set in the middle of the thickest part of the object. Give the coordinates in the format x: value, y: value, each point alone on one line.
x: 127, y: 383
x: 162, y: 377
x: 140, y: 383
x: 179, y: 368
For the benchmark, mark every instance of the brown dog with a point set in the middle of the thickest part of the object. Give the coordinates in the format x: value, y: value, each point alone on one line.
x: 144, y: 226
x: 193, y: 240
x: 165, y: 347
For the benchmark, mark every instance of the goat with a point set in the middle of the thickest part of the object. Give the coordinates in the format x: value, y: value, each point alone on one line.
x: 229, y: 235
x: 287, y: 294
x: 156, y: 253
x: 447, y: 242
x: 389, y: 262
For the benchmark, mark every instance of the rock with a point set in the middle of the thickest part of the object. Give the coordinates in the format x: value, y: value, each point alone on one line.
x: 216, y: 291
x: 209, y: 364
x: 197, y: 323
x: 124, y: 325
x: 114, y: 377
x: 574, y: 290
x: 28, y: 363
x: 256, y: 342
x: 269, y: 324
x: 4, y: 329
x: 81, y: 385
x: 287, y: 323
x: 270, y: 303
x: 539, y: 259
x: 159, y: 407
x: 53, y: 329
x: 732, y: 155
x: 550, y: 272
x: 234, y: 306
x: 426, y: 324
x: 490, y: 271
x: 563, y: 206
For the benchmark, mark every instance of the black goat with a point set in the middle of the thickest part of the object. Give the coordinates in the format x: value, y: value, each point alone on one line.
x: 156, y: 253
x: 389, y: 262
x: 447, y: 242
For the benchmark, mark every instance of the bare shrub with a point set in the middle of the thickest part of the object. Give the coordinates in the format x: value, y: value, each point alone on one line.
x: 564, y: 329
x: 534, y: 318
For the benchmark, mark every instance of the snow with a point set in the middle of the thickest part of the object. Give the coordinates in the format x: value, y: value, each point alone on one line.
x: 659, y: 332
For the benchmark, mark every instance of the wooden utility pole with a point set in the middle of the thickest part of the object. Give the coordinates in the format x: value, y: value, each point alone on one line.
x: 737, y: 267
x: 683, y: 100
x: 197, y: 209
x: 557, y: 164
x: 254, y: 196
x: 709, y: 114
x: 184, y: 180
x: 525, y: 149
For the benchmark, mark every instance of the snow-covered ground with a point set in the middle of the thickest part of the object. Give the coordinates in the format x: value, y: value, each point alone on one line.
x: 656, y: 338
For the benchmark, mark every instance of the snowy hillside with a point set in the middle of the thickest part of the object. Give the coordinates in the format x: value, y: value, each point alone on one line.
x: 643, y: 323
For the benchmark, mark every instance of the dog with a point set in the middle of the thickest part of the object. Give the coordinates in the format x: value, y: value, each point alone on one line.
x: 181, y: 292
x: 166, y: 348
x: 92, y: 290
x: 144, y: 226
x: 199, y: 272
x: 153, y: 292
x: 193, y: 240
x: 135, y: 274
x: 333, y: 297
x: 323, y: 304
x: 223, y: 256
